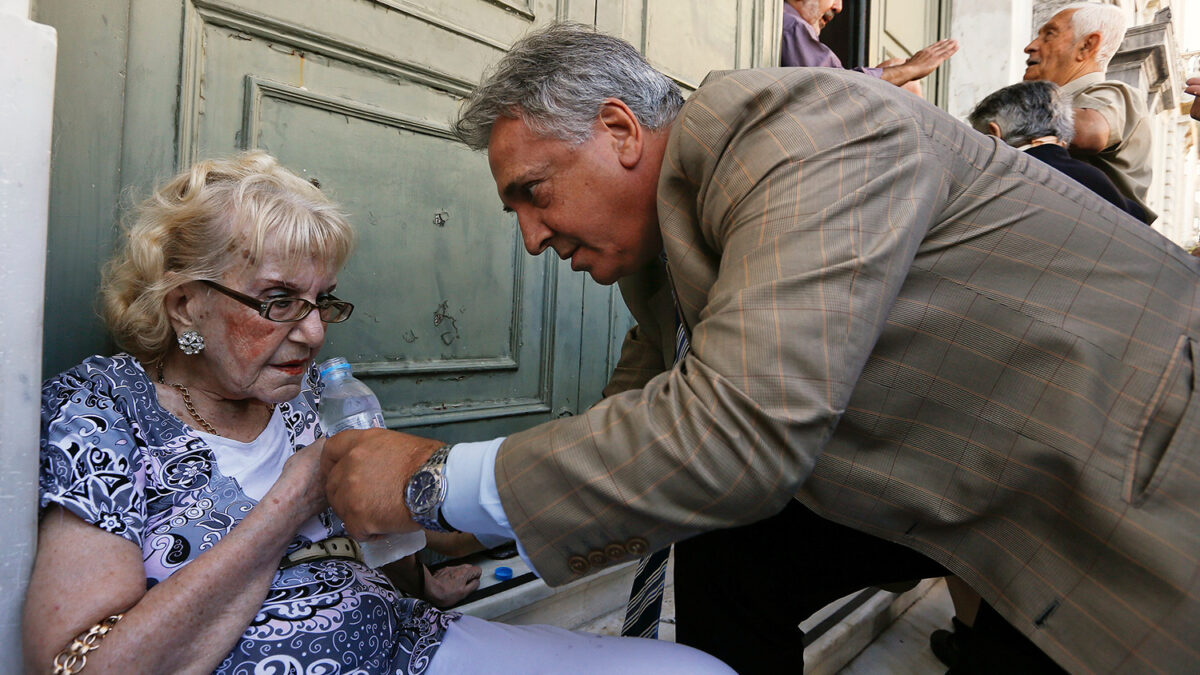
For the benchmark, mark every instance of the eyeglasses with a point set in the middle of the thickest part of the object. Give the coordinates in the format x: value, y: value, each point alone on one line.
x: 288, y: 310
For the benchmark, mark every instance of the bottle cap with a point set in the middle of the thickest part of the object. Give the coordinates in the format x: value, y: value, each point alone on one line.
x: 503, y: 573
x: 334, y: 364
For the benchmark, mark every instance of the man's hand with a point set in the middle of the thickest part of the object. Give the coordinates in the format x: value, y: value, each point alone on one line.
x: 1193, y: 88
x: 913, y: 87
x: 928, y: 59
x: 366, y: 473
x: 920, y: 64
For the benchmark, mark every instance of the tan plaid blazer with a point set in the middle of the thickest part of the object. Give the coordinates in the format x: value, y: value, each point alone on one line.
x: 918, y: 332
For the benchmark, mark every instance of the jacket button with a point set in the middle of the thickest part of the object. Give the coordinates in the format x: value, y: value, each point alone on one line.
x: 615, y: 551
x: 578, y: 564
x: 637, y: 546
x: 597, y: 558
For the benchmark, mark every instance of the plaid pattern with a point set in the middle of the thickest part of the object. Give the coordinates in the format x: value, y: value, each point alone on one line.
x: 918, y: 332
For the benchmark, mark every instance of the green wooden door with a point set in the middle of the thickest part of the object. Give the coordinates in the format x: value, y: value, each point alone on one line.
x: 899, y: 28
x: 459, y: 331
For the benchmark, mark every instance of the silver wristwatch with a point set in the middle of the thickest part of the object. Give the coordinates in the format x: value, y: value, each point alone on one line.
x: 426, y: 492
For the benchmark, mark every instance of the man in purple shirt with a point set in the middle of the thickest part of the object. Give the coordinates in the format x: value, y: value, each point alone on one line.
x: 802, y: 23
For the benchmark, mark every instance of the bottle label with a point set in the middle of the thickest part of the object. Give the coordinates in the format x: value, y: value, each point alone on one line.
x: 363, y: 420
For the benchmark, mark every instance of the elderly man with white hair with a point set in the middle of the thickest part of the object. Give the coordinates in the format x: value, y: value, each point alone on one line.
x: 1072, y: 50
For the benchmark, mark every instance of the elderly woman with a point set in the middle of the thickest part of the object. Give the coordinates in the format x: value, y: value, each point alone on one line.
x: 183, y: 514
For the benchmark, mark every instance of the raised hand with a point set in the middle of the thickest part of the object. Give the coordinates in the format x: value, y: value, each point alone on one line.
x: 920, y: 64
x: 928, y: 59
x: 913, y: 86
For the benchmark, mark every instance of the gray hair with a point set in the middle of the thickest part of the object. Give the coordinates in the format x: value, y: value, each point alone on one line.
x: 1107, y: 20
x: 1025, y: 111
x: 556, y: 79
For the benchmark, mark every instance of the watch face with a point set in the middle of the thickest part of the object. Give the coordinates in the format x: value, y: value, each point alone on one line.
x: 422, y: 492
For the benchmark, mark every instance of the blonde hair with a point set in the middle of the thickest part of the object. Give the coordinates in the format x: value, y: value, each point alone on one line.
x: 207, y: 220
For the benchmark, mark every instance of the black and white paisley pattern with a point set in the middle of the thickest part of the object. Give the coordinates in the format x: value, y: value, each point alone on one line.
x: 114, y: 457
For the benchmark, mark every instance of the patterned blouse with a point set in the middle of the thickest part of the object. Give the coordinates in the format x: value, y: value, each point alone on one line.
x: 113, y: 456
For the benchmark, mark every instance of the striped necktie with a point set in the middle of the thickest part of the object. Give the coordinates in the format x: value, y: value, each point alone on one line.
x: 645, y: 597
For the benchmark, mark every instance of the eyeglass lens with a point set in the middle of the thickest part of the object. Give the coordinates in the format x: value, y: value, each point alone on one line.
x: 294, y: 309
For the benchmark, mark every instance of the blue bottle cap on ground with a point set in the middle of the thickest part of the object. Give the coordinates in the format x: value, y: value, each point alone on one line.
x: 503, y: 573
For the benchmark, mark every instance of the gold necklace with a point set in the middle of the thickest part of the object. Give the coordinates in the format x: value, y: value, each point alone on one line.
x: 187, y: 402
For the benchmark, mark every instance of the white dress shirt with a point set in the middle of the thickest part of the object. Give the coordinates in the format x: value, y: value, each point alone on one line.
x: 472, y: 499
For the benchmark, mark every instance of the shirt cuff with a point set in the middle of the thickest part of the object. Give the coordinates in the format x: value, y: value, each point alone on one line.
x: 491, y: 540
x: 472, y: 498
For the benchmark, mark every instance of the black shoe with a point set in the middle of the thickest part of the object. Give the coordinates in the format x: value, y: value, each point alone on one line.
x: 943, y: 646
x: 947, y: 645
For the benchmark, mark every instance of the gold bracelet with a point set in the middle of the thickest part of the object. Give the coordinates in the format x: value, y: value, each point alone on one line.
x: 72, y: 659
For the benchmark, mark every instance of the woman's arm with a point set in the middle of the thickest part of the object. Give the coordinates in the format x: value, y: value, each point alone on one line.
x: 186, y: 624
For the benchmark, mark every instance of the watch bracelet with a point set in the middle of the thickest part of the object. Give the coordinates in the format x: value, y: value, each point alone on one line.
x: 435, y: 521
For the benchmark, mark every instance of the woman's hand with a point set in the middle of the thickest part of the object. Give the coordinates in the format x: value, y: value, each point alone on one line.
x: 300, y: 485
x: 449, y: 585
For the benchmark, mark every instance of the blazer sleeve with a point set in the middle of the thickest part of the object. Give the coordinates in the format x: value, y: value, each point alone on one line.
x: 792, y: 202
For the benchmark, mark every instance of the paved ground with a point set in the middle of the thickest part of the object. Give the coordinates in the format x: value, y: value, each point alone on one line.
x: 902, y: 649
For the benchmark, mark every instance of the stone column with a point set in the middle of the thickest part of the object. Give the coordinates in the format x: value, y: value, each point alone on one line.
x: 1148, y: 61
x: 28, y: 51
x: 991, y: 35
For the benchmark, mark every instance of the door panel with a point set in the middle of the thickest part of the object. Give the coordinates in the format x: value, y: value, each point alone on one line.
x: 905, y: 27
x: 683, y: 31
x: 461, y: 333
x: 687, y: 39
x: 455, y: 322
x: 900, y: 28
x: 447, y: 294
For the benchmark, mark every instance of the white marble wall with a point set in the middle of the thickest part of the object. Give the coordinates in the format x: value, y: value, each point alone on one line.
x: 991, y: 35
x: 15, y: 8
x: 28, y: 51
x: 1178, y: 180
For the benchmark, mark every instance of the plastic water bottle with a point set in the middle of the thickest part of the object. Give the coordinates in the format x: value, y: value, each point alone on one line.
x: 347, y: 403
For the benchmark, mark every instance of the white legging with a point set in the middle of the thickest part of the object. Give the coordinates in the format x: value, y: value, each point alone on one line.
x: 473, y: 645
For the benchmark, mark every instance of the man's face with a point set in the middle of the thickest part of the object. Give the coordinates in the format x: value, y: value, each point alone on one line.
x: 1052, y: 53
x: 578, y: 200
x: 817, y: 13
